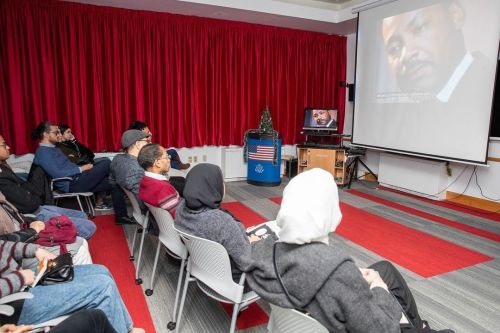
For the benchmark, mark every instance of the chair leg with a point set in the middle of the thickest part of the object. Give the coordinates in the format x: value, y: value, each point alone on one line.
x: 179, y: 286
x: 183, y: 299
x: 138, y: 280
x: 80, y: 203
x: 236, y: 309
x: 133, y: 243
x: 149, y: 291
x: 90, y: 205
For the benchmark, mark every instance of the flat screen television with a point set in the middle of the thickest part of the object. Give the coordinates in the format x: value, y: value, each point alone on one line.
x: 320, y: 119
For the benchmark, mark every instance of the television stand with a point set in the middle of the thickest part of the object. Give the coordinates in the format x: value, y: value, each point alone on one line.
x: 323, y: 133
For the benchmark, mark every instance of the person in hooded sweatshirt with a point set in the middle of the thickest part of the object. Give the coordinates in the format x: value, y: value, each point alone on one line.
x: 199, y: 214
x: 323, y: 280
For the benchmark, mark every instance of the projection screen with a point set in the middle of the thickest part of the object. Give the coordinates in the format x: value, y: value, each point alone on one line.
x: 425, y: 73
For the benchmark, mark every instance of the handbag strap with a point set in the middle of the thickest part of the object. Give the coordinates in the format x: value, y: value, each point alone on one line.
x: 276, y: 271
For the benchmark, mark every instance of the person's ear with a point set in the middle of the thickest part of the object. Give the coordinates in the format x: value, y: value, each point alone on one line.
x: 457, y: 15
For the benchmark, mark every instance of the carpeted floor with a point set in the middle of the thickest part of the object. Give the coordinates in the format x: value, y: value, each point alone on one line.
x: 453, y: 272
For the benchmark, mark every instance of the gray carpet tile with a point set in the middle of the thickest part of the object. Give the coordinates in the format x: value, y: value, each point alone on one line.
x: 467, y: 300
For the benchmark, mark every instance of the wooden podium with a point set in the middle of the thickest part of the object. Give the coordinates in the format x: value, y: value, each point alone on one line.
x: 331, y: 159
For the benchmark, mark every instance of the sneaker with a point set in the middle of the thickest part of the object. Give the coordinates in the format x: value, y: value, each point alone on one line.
x: 427, y: 329
x: 103, y: 207
x: 137, y: 330
x: 124, y: 220
x: 184, y: 166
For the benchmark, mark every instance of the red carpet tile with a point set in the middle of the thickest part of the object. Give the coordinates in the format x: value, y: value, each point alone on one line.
x: 247, y: 216
x: 417, y: 251
x: 251, y: 317
x: 438, y: 219
x: 414, y: 250
x: 494, y: 216
x: 109, y: 247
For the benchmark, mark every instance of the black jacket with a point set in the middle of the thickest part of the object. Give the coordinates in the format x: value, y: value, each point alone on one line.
x: 24, y: 195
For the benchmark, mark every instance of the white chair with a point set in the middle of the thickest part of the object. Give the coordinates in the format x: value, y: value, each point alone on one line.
x: 87, y: 196
x: 210, y: 267
x: 8, y: 310
x: 292, y: 321
x: 142, y: 221
x: 175, y: 247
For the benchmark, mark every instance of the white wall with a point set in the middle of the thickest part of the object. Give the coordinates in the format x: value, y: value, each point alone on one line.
x: 488, y: 176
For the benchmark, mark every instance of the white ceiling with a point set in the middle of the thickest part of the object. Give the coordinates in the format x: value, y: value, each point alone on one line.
x: 327, y: 16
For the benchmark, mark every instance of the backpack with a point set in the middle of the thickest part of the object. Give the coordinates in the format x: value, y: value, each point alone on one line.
x: 59, y: 230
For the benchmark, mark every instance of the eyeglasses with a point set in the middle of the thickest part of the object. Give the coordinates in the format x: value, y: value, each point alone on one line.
x: 55, y: 132
x: 4, y: 145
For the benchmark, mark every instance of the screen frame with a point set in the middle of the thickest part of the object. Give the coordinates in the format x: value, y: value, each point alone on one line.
x: 305, y: 126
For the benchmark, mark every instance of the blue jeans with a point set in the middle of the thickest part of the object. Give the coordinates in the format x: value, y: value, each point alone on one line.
x: 94, y: 180
x: 93, y: 287
x: 175, y: 162
x: 84, y: 226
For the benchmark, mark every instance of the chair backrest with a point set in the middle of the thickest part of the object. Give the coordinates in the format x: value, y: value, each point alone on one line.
x: 136, y: 207
x: 209, y: 263
x: 292, y: 321
x: 168, y: 235
x: 42, y: 182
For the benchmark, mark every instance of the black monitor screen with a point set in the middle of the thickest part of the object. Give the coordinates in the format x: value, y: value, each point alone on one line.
x: 320, y: 119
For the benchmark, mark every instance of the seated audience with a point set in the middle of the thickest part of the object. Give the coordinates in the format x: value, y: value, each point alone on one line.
x: 83, y: 321
x: 200, y: 214
x: 84, y: 178
x: 125, y: 171
x: 75, y: 151
x: 92, y: 287
x: 323, y: 280
x: 155, y: 188
x: 26, y: 197
x: 18, y: 228
x: 175, y: 160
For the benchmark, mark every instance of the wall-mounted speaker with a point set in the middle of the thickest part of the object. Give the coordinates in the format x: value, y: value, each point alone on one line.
x: 350, y: 93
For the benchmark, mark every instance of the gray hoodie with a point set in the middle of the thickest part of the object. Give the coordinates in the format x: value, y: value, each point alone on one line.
x: 325, y: 282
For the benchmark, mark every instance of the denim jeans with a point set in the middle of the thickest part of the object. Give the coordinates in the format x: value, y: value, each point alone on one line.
x: 94, y: 180
x: 93, y: 287
x: 84, y: 226
x: 174, y: 159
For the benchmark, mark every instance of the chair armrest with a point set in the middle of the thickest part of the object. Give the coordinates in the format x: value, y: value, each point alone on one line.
x: 61, y: 178
x: 15, y: 297
x: 6, y: 310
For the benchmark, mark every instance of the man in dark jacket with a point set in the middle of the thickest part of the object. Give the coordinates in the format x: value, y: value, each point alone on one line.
x: 27, y: 198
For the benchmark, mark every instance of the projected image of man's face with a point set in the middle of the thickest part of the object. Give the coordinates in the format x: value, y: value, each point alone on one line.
x: 424, y: 46
x: 322, y: 117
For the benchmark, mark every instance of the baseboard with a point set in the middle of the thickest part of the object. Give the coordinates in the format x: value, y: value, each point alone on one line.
x: 474, y: 202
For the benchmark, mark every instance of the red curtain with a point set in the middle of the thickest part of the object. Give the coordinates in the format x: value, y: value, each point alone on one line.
x: 195, y: 81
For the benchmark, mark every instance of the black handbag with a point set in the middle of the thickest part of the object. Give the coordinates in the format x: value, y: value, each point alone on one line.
x: 59, y: 270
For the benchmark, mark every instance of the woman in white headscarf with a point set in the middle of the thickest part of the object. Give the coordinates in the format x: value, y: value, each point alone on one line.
x: 323, y: 280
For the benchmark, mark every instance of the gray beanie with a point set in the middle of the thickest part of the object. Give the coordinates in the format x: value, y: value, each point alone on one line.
x: 130, y: 137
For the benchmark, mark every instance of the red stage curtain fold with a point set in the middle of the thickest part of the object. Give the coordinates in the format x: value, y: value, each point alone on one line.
x: 195, y: 81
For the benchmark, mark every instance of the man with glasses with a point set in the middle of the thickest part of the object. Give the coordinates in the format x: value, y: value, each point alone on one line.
x: 155, y: 188
x: 125, y: 171
x: 27, y: 197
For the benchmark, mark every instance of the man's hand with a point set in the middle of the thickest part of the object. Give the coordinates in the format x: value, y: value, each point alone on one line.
x: 253, y: 238
x: 37, y: 225
x: 373, y: 278
x: 86, y: 167
x: 28, y: 276
x: 44, y: 254
x: 10, y: 328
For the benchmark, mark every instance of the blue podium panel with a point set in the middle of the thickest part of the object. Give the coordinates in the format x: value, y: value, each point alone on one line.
x: 261, y: 170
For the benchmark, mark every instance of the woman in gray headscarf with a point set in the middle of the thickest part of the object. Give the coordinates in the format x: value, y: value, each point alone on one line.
x: 323, y: 280
x: 200, y: 214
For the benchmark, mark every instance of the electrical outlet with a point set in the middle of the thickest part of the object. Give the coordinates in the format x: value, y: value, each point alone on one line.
x: 195, y: 159
x: 204, y: 158
x: 190, y: 159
